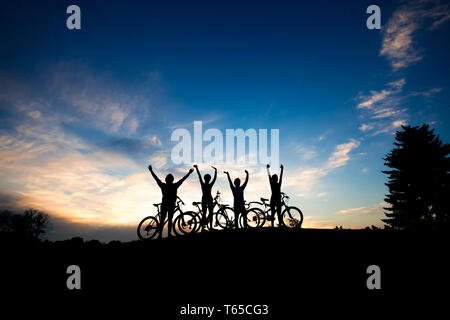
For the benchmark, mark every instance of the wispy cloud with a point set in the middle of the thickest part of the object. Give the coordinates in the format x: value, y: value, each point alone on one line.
x: 378, y: 101
x: 345, y: 211
x: 306, y: 153
x: 303, y: 180
x: 383, y: 111
x: 390, y: 127
x: 341, y: 155
x: 49, y: 163
x: 398, y: 44
x: 91, y: 186
x: 159, y: 160
x: 376, y: 208
x: 98, y: 101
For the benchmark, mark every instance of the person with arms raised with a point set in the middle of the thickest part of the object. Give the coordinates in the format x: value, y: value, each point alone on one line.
x: 275, y: 199
x: 169, y: 198
x: 207, y: 199
x: 238, y: 195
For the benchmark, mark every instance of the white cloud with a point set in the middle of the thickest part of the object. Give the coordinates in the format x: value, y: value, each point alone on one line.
x: 381, y: 109
x: 341, y: 155
x: 345, y: 211
x: 427, y: 93
x: 387, y: 112
x: 303, y: 180
x: 399, y: 34
x: 49, y: 173
x: 151, y: 140
x: 365, y: 127
x: 159, y: 160
x: 306, y: 153
x: 116, y: 116
x: 377, y: 98
x: 98, y: 101
x: 390, y: 127
x: 376, y: 208
x: 34, y: 114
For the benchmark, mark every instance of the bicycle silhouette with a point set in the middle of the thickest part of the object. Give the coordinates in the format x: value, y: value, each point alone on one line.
x: 219, y: 220
x: 225, y: 217
x: 186, y: 222
x: 292, y: 217
x: 183, y: 223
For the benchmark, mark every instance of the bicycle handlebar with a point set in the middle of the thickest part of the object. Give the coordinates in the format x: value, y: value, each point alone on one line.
x: 284, y: 195
x: 179, y: 200
x: 256, y: 202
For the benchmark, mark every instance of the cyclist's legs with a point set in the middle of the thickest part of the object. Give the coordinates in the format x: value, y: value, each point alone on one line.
x: 163, y: 220
x: 280, y: 218
x: 170, y: 212
x: 210, y: 216
x: 244, y: 212
x: 240, y: 210
x: 204, y: 214
x: 275, y: 207
x: 236, y: 216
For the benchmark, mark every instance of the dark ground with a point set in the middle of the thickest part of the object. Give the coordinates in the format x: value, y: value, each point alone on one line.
x: 293, y: 272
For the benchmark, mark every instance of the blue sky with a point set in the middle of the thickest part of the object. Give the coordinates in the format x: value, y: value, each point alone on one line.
x: 83, y: 112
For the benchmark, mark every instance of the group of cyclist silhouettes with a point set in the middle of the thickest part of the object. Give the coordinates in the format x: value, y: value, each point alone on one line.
x: 169, y: 195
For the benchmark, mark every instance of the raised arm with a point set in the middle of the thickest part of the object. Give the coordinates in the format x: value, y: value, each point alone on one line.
x: 199, y: 175
x: 246, y: 179
x: 160, y: 184
x: 281, y: 174
x: 215, y: 176
x: 268, y: 171
x: 229, y: 179
x: 185, y: 177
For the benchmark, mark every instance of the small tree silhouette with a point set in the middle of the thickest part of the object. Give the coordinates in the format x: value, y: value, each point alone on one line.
x: 32, y: 223
x: 419, y: 180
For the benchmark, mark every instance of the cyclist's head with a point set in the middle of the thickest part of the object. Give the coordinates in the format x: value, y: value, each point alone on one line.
x: 237, y: 182
x: 275, y: 178
x: 169, y: 178
x: 207, y: 177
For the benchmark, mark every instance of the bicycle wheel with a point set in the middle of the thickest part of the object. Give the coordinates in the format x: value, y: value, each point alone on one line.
x: 253, y: 217
x: 186, y: 223
x: 219, y: 221
x: 147, y: 228
x: 292, y: 217
x: 262, y: 218
x: 270, y: 220
x: 230, y: 216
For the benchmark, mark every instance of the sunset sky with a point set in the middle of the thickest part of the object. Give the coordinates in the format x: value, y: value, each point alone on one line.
x: 83, y: 112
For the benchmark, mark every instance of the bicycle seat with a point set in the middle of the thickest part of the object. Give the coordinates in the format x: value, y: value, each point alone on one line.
x: 156, y: 204
x: 264, y: 199
x: 196, y: 203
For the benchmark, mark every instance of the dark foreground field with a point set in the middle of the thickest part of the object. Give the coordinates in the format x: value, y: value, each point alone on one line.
x: 291, y: 272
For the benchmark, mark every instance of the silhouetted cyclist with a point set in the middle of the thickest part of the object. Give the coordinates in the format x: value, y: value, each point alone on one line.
x: 275, y: 199
x: 169, y: 198
x: 238, y: 195
x: 207, y: 199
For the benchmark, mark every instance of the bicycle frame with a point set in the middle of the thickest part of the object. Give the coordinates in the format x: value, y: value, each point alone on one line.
x: 177, y: 209
x: 266, y: 204
x: 220, y: 209
x: 268, y: 215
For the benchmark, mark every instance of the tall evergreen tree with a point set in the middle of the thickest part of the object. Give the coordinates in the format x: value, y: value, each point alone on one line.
x: 418, y: 182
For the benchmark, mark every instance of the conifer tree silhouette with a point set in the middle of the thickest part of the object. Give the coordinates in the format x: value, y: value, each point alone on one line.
x: 418, y: 181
